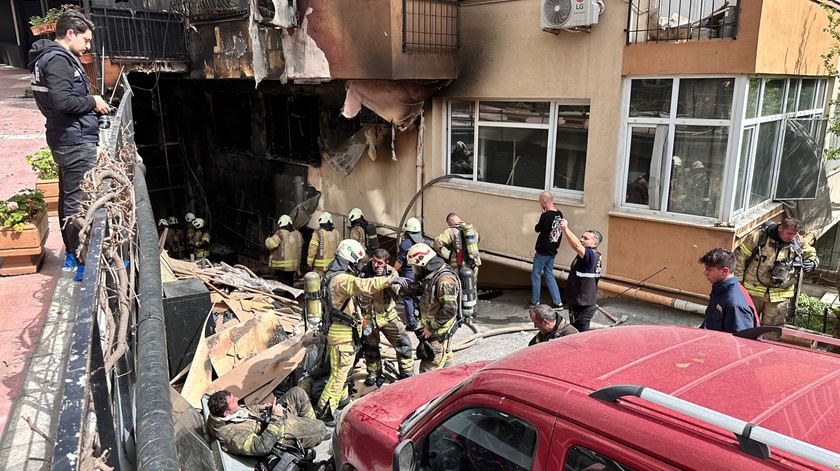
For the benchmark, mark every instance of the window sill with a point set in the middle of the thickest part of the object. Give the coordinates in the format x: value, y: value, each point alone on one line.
x: 669, y: 218
x: 749, y: 220
x: 512, y: 192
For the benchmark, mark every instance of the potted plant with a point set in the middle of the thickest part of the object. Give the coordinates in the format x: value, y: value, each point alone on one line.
x: 23, y: 230
x: 42, y: 162
x: 46, y: 24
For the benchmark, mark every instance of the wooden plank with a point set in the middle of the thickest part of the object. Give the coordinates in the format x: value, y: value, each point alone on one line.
x: 200, y: 374
x: 241, y: 314
x: 274, y: 363
x: 233, y: 346
x: 259, y: 396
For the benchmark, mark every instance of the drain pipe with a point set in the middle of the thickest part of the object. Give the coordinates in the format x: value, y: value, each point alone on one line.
x: 155, y: 433
x: 636, y: 293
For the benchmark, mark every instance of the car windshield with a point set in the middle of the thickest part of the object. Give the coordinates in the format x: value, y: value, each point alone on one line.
x: 421, y: 411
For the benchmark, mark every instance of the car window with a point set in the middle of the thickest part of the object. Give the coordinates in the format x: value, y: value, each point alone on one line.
x: 583, y: 459
x: 480, y: 439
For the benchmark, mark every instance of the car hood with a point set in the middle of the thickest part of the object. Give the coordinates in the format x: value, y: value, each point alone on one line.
x: 390, y: 405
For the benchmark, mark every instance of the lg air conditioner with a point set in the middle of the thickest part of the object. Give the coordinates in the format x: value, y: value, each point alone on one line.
x: 564, y: 14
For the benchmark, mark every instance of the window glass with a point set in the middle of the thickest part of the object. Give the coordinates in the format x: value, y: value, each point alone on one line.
x: 570, y: 147
x: 697, y: 169
x: 768, y: 137
x: 705, y: 98
x: 793, y: 92
x: 743, y: 162
x: 480, y: 439
x: 461, y: 138
x: 512, y: 156
x: 821, y: 97
x: 801, y: 161
x: 514, y: 112
x: 650, y: 98
x: 583, y: 459
x: 774, y: 92
x: 807, y: 94
x: 752, y: 97
x: 638, y: 171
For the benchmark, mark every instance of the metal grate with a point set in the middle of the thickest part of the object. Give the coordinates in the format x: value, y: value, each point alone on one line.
x: 430, y: 27
x: 142, y: 35
x: 681, y: 20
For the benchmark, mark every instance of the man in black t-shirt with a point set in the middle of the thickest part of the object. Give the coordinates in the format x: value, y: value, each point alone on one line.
x: 548, y: 240
x: 584, y: 273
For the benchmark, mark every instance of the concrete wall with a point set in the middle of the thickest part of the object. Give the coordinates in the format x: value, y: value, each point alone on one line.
x: 791, y: 39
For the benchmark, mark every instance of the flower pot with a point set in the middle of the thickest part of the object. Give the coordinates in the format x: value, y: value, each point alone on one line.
x: 41, y: 30
x: 22, y: 252
x: 50, y: 190
x: 86, y: 58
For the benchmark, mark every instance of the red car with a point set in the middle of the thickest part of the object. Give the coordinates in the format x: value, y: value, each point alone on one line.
x: 628, y: 398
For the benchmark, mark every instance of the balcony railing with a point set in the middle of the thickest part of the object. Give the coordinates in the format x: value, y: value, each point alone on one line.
x: 430, y: 27
x: 656, y: 21
x: 140, y: 35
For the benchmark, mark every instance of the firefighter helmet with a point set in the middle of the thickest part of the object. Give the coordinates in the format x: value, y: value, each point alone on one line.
x: 285, y: 220
x: 412, y: 225
x: 172, y: 220
x: 355, y: 214
x: 419, y: 255
x: 350, y: 250
x: 162, y: 222
x: 325, y: 218
x: 189, y: 217
x: 198, y: 223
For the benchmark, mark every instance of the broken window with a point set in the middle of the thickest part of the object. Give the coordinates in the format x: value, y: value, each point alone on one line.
x: 536, y: 145
x: 231, y: 115
x: 292, y: 127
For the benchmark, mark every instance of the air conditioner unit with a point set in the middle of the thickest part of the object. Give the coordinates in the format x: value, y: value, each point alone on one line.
x: 562, y: 14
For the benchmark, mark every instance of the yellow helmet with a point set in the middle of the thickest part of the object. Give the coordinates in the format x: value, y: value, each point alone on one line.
x: 412, y: 225
x: 350, y: 250
x: 419, y: 255
x: 355, y: 214
x: 285, y: 220
x: 325, y: 218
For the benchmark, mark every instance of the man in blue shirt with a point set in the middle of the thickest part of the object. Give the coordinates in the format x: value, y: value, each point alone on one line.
x: 730, y: 307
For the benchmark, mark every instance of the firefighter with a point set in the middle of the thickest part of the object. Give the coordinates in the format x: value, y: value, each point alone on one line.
x: 440, y: 298
x: 458, y: 244
x: 769, y: 262
x: 175, y: 238
x: 412, y: 234
x: 341, y: 313
x: 322, y: 246
x: 200, y: 240
x: 362, y: 231
x: 380, y: 312
x: 285, y: 247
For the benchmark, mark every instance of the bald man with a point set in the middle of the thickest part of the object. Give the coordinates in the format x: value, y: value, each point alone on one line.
x: 548, y: 240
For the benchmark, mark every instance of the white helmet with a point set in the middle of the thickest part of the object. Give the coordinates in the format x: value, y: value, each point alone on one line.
x: 354, y: 214
x: 285, y: 220
x: 198, y: 223
x: 325, y: 218
x: 172, y: 220
x: 412, y: 225
x: 350, y: 250
x: 419, y: 255
x: 163, y: 222
x: 189, y: 217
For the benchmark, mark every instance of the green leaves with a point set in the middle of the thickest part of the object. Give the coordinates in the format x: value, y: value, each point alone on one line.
x: 19, y: 210
x: 43, y: 163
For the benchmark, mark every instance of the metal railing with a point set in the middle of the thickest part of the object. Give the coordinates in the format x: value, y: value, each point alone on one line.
x: 430, y: 27
x: 140, y: 35
x: 659, y: 21
x: 138, y: 382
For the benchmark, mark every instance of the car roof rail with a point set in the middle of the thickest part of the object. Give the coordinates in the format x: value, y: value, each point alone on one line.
x: 755, y: 333
x: 754, y: 440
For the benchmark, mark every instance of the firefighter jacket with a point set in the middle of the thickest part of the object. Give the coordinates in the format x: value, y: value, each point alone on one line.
x: 322, y: 248
x: 201, y: 243
x: 562, y: 328
x: 379, y: 308
x: 285, y: 247
x: 241, y: 435
x: 452, y: 246
x: 345, y: 288
x: 755, y: 264
x: 440, y: 301
x: 359, y: 234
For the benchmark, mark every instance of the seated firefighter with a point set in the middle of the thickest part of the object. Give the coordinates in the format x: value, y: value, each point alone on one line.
x: 269, y: 430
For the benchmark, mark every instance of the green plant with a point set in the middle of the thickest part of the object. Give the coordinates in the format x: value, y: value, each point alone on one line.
x: 51, y: 16
x: 19, y: 210
x: 810, y: 312
x: 42, y: 162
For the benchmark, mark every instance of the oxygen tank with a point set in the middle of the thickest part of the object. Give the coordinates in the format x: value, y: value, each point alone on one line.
x: 469, y: 292
x: 312, y: 295
x: 372, y: 237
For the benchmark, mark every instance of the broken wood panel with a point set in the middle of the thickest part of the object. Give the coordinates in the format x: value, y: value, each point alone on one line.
x: 233, y: 346
x: 200, y: 374
x: 274, y: 363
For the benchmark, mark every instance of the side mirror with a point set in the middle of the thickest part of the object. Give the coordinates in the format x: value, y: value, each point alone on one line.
x: 404, y: 456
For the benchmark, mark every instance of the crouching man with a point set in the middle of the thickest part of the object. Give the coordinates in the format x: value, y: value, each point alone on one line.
x: 248, y: 432
x: 549, y: 323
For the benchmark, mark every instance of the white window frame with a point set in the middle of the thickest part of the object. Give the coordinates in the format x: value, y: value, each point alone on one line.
x: 551, y: 127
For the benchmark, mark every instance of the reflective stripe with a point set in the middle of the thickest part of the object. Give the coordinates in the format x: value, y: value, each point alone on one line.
x: 581, y: 274
x: 322, y: 263
x: 38, y: 88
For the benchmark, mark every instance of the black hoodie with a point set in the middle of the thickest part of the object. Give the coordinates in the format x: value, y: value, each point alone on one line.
x: 61, y: 91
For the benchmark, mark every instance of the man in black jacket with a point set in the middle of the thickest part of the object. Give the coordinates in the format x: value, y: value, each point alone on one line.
x: 545, y: 250
x: 61, y: 91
